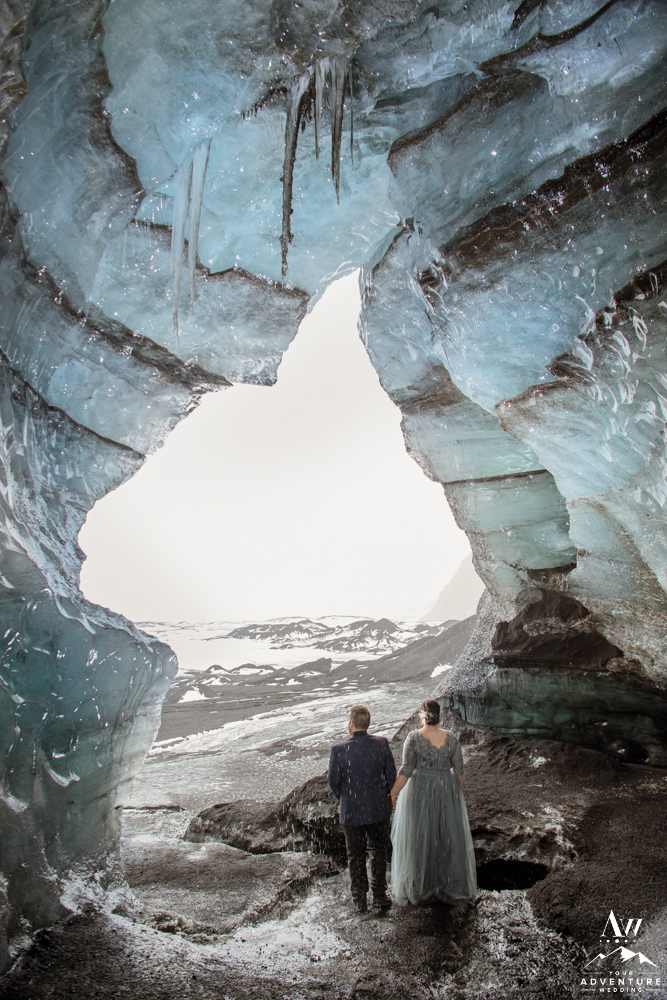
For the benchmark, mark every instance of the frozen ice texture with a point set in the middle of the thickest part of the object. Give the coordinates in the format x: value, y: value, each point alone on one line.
x: 497, y: 171
x: 80, y: 687
x: 237, y: 327
x: 602, y: 423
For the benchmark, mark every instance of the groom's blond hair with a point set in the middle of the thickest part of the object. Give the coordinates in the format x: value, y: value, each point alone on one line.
x: 360, y: 717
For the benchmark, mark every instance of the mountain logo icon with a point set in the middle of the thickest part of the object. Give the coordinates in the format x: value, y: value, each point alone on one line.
x: 625, y: 955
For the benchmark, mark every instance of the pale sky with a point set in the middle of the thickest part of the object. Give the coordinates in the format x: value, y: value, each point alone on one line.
x: 293, y: 500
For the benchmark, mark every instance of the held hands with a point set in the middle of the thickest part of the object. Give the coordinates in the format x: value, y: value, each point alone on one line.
x: 398, y: 784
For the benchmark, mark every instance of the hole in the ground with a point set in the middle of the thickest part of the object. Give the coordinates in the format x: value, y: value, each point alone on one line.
x: 508, y: 874
x: 630, y: 751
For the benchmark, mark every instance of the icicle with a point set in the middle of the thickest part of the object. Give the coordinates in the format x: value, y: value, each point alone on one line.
x: 297, y: 89
x: 338, y: 74
x: 199, y: 164
x: 322, y: 67
x: 349, y: 78
x: 178, y: 231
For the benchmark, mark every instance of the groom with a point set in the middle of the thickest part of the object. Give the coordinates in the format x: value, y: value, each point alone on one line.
x: 361, y: 774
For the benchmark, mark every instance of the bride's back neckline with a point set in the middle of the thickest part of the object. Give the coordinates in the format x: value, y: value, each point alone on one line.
x: 436, y: 746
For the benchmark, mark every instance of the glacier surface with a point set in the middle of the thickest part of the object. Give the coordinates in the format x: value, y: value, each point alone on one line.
x: 179, y: 182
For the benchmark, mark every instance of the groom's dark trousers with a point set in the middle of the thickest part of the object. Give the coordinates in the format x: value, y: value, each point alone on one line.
x: 361, y: 774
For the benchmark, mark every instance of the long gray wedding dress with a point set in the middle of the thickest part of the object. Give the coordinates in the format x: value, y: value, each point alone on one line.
x: 432, y: 847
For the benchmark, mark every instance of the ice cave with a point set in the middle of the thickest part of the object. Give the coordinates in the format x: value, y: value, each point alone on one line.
x: 180, y: 183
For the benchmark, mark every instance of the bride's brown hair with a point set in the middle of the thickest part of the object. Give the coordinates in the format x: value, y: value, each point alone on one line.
x: 430, y: 709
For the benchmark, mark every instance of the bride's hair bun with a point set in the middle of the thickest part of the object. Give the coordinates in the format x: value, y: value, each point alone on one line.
x: 430, y: 711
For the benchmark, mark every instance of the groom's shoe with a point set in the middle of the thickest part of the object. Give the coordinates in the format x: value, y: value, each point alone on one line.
x: 360, y: 905
x: 382, y: 903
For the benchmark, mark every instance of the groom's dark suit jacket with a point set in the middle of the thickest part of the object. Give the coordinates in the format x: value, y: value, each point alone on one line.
x: 361, y: 774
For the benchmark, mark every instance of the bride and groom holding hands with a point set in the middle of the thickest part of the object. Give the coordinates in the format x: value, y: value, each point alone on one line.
x: 432, y: 852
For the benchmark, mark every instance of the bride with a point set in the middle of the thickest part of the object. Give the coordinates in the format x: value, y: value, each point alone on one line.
x: 433, y: 855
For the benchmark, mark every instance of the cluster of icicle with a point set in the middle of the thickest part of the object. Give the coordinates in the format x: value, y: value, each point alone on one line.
x: 306, y: 89
x: 309, y: 85
x: 190, y: 181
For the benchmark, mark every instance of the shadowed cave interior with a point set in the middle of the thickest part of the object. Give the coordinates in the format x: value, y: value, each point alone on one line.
x: 179, y: 184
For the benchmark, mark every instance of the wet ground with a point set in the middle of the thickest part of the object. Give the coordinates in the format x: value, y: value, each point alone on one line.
x: 319, y: 950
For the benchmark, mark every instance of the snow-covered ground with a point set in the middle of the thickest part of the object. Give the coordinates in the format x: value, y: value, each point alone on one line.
x: 229, y: 672
x: 265, y: 755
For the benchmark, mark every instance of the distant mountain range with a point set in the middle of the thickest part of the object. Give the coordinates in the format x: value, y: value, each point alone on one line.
x: 206, y: 698
x: 383, y: 636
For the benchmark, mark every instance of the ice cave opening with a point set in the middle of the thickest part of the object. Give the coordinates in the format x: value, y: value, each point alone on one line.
x: 297, y: 499
x: 179, y: 183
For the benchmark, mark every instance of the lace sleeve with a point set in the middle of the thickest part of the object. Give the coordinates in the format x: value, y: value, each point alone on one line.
x: 457, y: 757
x: 409, y: 756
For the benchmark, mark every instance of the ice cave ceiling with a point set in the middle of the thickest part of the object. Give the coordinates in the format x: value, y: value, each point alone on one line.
x: 179, y: 181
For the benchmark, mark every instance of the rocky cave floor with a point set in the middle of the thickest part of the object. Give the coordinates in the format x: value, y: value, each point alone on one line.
x: 206, y: 919
x: 314, y: 949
